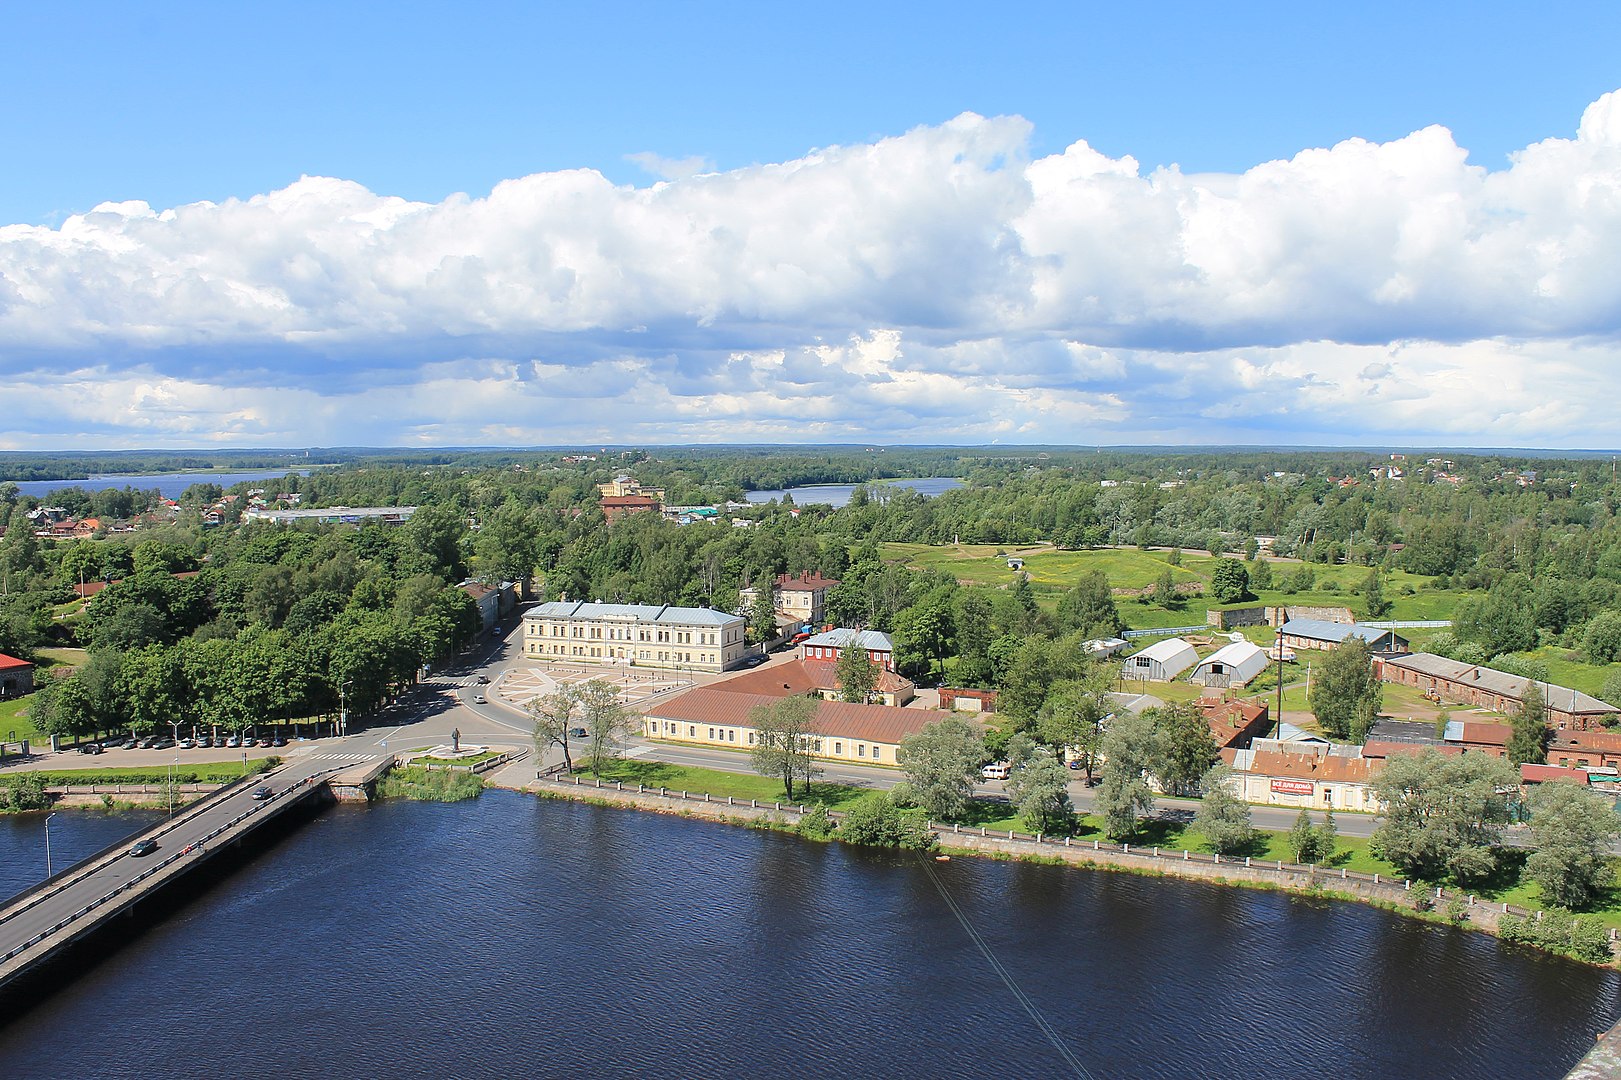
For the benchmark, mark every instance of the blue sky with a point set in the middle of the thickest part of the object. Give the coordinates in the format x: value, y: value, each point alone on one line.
x: 888, y: 223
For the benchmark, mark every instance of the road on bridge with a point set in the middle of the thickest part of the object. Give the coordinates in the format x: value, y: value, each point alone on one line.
x: 34, y: 913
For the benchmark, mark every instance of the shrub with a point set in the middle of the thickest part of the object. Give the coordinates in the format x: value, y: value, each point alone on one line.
x: 1558, y: 931
x: 1457, y: 910
x: 430, y: 785
x: 816, y: 823
x: 25, y: 791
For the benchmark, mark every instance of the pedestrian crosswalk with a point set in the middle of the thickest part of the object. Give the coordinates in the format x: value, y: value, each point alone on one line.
x: 343, y: 757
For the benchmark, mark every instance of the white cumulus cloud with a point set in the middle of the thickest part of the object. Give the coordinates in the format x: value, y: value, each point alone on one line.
x: 937, y: 285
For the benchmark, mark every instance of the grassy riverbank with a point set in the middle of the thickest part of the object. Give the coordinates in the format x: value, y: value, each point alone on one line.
x: 429, y: 785
x: 1352, y: 853
x: 221, y: 772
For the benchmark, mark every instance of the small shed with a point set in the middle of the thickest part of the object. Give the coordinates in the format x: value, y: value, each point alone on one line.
x: 1161, y: 661
x: 1103, y: 647
x: 1231, y: 665
x: 16, y: 677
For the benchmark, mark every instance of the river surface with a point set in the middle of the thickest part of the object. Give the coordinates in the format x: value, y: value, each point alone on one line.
x: 515, y: 937
x: 171, y: 485
x: 837, y: 495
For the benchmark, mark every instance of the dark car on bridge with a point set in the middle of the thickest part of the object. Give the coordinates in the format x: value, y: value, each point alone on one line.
x: 143, y: 847
x: 261, y: 793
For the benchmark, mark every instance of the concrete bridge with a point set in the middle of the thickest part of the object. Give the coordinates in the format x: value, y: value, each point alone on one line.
x: 38, y: 923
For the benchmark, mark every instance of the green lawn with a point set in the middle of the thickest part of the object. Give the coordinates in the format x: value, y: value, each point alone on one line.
x: 188, y: 773
x: 1351, y: 853
x: 718, y: 784
x: 62, y: 657
x: 14, y: 721
x: 1566, y: 668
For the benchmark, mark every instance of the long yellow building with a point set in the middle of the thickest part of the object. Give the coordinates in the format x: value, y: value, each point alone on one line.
x: 640, y: 635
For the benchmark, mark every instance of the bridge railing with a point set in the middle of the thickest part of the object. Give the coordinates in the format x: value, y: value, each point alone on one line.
x: 300, y: 788
x: 90, y: 864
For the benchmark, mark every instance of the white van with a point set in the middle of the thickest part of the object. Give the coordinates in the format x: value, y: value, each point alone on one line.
x: 995, y: 771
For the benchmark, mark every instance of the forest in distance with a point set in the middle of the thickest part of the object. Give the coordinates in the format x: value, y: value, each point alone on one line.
x: 1523, y: 554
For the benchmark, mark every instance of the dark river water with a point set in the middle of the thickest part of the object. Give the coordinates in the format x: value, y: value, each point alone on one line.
x: 511, y: 937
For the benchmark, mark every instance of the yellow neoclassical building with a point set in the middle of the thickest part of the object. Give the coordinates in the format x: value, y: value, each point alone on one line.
x: 640, y: 635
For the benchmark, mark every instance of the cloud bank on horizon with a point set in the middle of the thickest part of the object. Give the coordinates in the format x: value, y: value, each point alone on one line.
x: 936, y: 286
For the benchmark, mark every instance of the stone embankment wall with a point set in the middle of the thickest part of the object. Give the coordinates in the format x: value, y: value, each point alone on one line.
x: 1233, y: 618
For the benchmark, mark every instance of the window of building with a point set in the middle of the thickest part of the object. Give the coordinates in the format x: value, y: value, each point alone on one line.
x: 731, y: 736
x: 838, y: 748
x: 711, y: 734
x: 861, y: 749
x: 692, y: 731
x: 875, y: 753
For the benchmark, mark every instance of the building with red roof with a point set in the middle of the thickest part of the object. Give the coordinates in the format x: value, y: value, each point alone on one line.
x: 16, y: 677
x: 844, y: 731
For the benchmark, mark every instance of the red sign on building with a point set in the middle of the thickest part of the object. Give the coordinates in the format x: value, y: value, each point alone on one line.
x: 1292, y: 787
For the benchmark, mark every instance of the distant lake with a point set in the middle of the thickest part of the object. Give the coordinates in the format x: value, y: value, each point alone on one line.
x: 170, y: 484
x: 837, y: 495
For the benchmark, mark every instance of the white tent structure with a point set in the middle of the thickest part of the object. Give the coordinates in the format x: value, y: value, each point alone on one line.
x: 1231, y: 665
x: 1161, y: 661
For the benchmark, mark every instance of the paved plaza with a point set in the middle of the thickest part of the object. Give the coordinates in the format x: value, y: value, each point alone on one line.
x: 637, y: 686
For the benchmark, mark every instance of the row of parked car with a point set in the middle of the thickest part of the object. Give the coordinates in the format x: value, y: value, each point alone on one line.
x: 164, y: 742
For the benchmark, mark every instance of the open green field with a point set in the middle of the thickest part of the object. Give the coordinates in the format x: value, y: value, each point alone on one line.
x: 14, y: 722
x: 1566, y: 668
x: 62, y: 657
x: 1052, y: 572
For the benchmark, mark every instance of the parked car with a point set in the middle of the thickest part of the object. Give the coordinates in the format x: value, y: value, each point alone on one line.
x: 233, y: 742
x: 143, y: 847
x: 261, y: 793
x: 186, y: 744
x: 129, y: 744
x: 90, y: 748
x: 577, y: 733
x: 163, y: 744
x: 148, y: 743
x: 204, y: 743
x: 996, y: 770
x: 278, y: 741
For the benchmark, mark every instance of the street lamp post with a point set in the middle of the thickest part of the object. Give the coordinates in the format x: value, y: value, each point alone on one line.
x: 48, y: 818
x: 175, y: 724
x: 343, y: 706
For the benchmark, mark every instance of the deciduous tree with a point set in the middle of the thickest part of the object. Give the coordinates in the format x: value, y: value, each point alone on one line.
x: 1184, y: 748
x: 1573, y: 830
x: 941, y: 762
x: 1124, y: 794
x: 1039, y: 787
x: 553, y: 715
x: 1444, y: 815
x: 1222, y: 817
x: 1230, y: 583
x: 784, y: 740
x: 1345, y: 694
x: 605, y: 719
